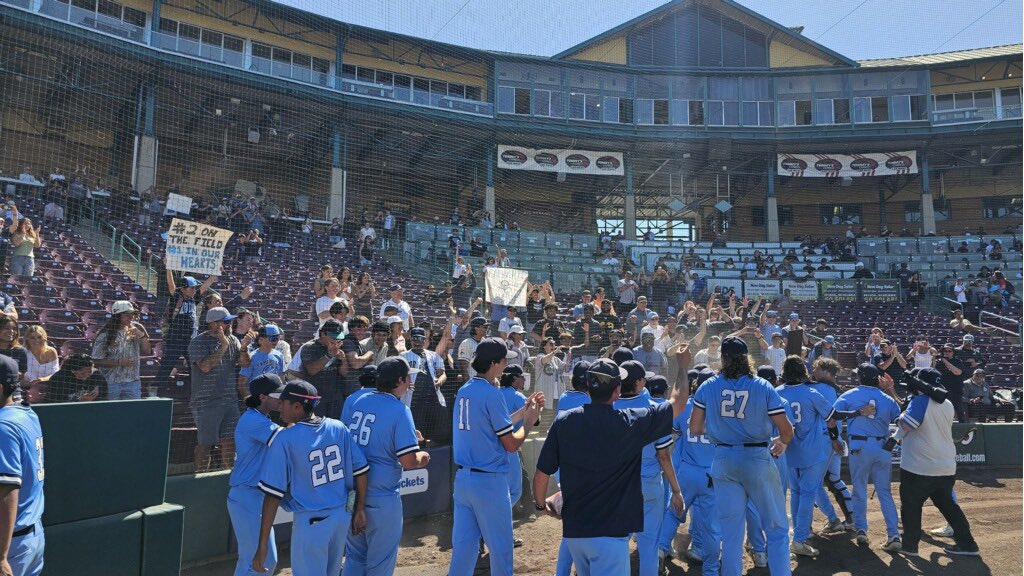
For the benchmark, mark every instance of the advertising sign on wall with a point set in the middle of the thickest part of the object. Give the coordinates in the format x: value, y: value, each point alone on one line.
x: 839, y: 290
x: 847, y: 165
x: 880, y: 290
x: 569, y: 161
x: 805, y: 290
x: 759, y: 288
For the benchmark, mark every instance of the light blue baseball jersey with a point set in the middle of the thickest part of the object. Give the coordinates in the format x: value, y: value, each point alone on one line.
x: 690, y: 449
x: 346, y: 409
x: 21, y: 461
x: 252, y: 438
x: 886, y: 411
x: 312, y: 466
x: 263, y: 363
x: 514, y: 400
x: 479, y: 420
x: 572, y: 399
x: 810, y: 411
x: 649, y: 465
x: 827, y: 391
x: 383, y: 428
x: 738, y: 411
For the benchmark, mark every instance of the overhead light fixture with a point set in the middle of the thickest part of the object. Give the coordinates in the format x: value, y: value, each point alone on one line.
x: 236, y: 101
x: 266, y: 107
x: 254, y: 136
x: 218, y: 112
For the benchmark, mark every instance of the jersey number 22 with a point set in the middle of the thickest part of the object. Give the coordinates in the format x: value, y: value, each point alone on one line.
x: 327, y: 465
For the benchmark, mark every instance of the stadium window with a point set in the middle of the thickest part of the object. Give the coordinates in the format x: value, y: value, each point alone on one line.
x: 785, y: 215
x: 610, y: 109
x: 189, y: 32
x: 679, y: 112
x: 301, y: 60
x: 134, y: 17
x: 506, y: 99
x: 757, y: 216
x: 169, y: 26
x: 542, y: 103
x: 867, y: 110
x: 909, y: 107
x: 366, y: 75
x: 756, y: 94
x: 912, y: 210
x: 625, y: 111
x: 348, y: 71
x: 473, y: 93
x: 1001, y: 207
x: 841, y: 214
x: 661, y: 112
x: 1010, y: 102
x: 832, y: 111
x: 733, y: 48
x: 259, y: 50
x: 234, y: 44
x: 696, y: 113
x: 522, y: 101
x: 385, y: 78
x: 644, y: 109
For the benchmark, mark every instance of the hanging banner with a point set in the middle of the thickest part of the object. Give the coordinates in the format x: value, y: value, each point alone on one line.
x: 195, y: 247
x: 847, y: 165
x: 570, y: 161
x: 761, y: 288
x: 724, y: 285
x: 505, y: 286
x: 880, y: 290
x: 801, y: 290
x: 839, y: 290
x: 178, y: 203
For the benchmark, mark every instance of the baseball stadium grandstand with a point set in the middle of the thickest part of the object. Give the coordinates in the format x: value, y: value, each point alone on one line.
x: 197, y: 193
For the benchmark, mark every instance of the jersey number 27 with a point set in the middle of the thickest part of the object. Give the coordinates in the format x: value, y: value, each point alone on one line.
x: 734, y: 403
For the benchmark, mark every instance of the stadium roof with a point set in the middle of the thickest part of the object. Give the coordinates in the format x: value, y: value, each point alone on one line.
x: 947, y: 57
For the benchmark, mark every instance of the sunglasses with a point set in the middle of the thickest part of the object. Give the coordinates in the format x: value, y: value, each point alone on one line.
x: 273, y: 338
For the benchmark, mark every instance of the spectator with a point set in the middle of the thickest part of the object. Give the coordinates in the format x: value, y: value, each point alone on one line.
x: 977, y: 398
x: 265, y: 359
x: 607, y: 318
x: 890, y: 361
x: 699, y: 288
x: 826, y: 348
x: 915, y: 290
x: 43, y: 360
x: 320, y: 364
x: 654, y: 360
x: 511, y: 319
x: 549, y: 326
x: 320, y: 283
x: 585, y: 299
x: 404, y: 310
x: 335, y: 231
x: 378, y: 341
x: 214, y: 355
x: 960, y: 291
x: 769, y: 327
x: 712, y: 355
x: 118, y: 349
x: 363, y: 294
x: 627, y: 289
x: 477, y: 332
x: 590, y: 334
x: 367, y: 231
x: 516, y: 344
x: 960, y: 323
x: 323, y: 304
x: 793, y: 333
x: 354, y: 355
x: 610, y: 259
x: 459, y: 269
x: 952, y: 370
x: 25, y: 239
x: 861, y: 272
x: 253, y: 248
x: 76, y: 381
x: 182, y: 321
x: 424, y: 399
x: 774, y: 354
x: 10, y: 344
x: 820, y: 329
x: 389, y: 228
x: 921, y: 355
x: 5, y: 238
x: 367, y: 250
x: 969, y: 355
x: 548, y: 367
x: 660, y: 288
x: 396, y: 341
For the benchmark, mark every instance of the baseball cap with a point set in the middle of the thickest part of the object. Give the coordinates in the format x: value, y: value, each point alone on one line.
x: 492, y: 349
x: 219, y: 314
x: 417, y: 334
x: 646, y: 333
x: 302, y: 392
x: 968, y: 337
x: 653, y: 315
x: 394, y: 368
x: 9, y: 375
x: 621, y: 355
x: 394, y: 320
x: 268, y: 384
x: 368, y: 376
x: 928, y: 375
x: 635, y: 371
x: 733, y: 346
x: 516, y: 329
x: 830, y: 339
x: 868, y: 374
x: 190, y: 282
x: 773, y: 312
x: 579, y: 374
x: 509, y: 374
x: 794, y: 316
x: 860, y: 264
x: 644, y: 298
x: 478, y: 321
x: 948, y: 346
x: 604, y: 375
x: 122, y: 306
x: 699, y: 375
x: 657, y: 385
x: 270, y: 331
x: 333, y: 329
x: 395, y: 288
x: 768, y: 373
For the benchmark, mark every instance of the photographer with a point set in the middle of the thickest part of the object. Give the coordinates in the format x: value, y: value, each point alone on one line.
x: 952, y: 370
x: 928, y: 463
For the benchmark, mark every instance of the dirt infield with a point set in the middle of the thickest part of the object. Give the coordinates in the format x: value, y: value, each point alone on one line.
x: 991, y: 500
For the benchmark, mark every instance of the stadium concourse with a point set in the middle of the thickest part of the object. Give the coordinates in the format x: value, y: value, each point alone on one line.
x: 257, y: 212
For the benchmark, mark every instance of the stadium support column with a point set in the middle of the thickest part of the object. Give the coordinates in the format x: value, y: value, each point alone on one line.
x: 927, y: 207
x: 339, y: 177
x: 629, y: 220
x: 146, y: 145
x: 489, y: 187
x: 771, y: 209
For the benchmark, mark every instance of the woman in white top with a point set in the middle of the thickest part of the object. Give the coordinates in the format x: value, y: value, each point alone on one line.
x: 960, y: 291
x: 345, y: 281
x: 324, y: 303
x: 43, y: 360
x: 460, y: 268
x: 921, y: 355
x: 516, y: 344
x: 548, y: 368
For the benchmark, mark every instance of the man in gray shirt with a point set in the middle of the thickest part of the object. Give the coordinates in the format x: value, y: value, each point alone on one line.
x: 214, y: 355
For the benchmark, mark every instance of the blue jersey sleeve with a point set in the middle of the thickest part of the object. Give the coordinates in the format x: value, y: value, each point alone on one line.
x: 497, y: 413
x: 10, y: 456
x: 700, y: 398
x: 547, y: 461
x: 664, y: 443
x: 915, y: 412
x: 405, y: 434
x: 842, y: 404
x: 774, y: 401
x: 275, y: 478
x: 821, y: 405
x: 893, y: 411
x: 654, y: 425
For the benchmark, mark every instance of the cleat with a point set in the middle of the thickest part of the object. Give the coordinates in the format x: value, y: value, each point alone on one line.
x: 834, y: 527
x: 802, y: 549
x: 894, y: 544
x: 958, y: 551
x: 862, y: 537
x: 517, y: 542
x: 848, y: 525
x: 911, y: 553
x: 946, y: 531
x: 760, y: 559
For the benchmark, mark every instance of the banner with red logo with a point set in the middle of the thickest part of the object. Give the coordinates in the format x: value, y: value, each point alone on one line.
x: 847, y: 165
x: 569, y: 161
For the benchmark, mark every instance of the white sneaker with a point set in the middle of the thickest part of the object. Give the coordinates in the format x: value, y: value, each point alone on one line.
x: 946, y: 531
x: 802, y: 549
x: 760, y: 559
x: 862, y: 537
x: 834, y: 527
x: 894, y: 544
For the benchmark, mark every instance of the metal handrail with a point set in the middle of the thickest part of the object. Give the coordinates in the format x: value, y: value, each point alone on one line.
x: 984, y: 313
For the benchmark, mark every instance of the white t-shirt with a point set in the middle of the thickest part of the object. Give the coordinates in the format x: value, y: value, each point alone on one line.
x: 323, y: 304
x: 507, y: 323
x: 776, y: 357
x: 366, y: 233
x: 389, y: 222
x: 928, y: 449
x: 404, y: 311
x: 460, y: 270
x: 627, y: 296
x: 466, y: 351
x: 961, y: 293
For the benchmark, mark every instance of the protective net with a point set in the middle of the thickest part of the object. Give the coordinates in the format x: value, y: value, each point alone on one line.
x: 689, y: 160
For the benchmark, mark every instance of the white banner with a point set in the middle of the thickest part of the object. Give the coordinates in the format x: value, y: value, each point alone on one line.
x: 806, y: 290
x: 505, y: 286
x: 178, y: 203
x: 570, y: 161
x: 847, y: 165
x: 760, y: 288
x: 194, y: 247
x: 724, y: 284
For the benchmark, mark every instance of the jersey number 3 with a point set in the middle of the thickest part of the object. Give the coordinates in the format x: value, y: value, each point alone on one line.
x: 327, y: 465
x: 734, y: 403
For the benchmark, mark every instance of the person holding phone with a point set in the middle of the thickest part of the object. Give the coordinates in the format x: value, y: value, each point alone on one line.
x: 118, y: 349
x: 76, y: 381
